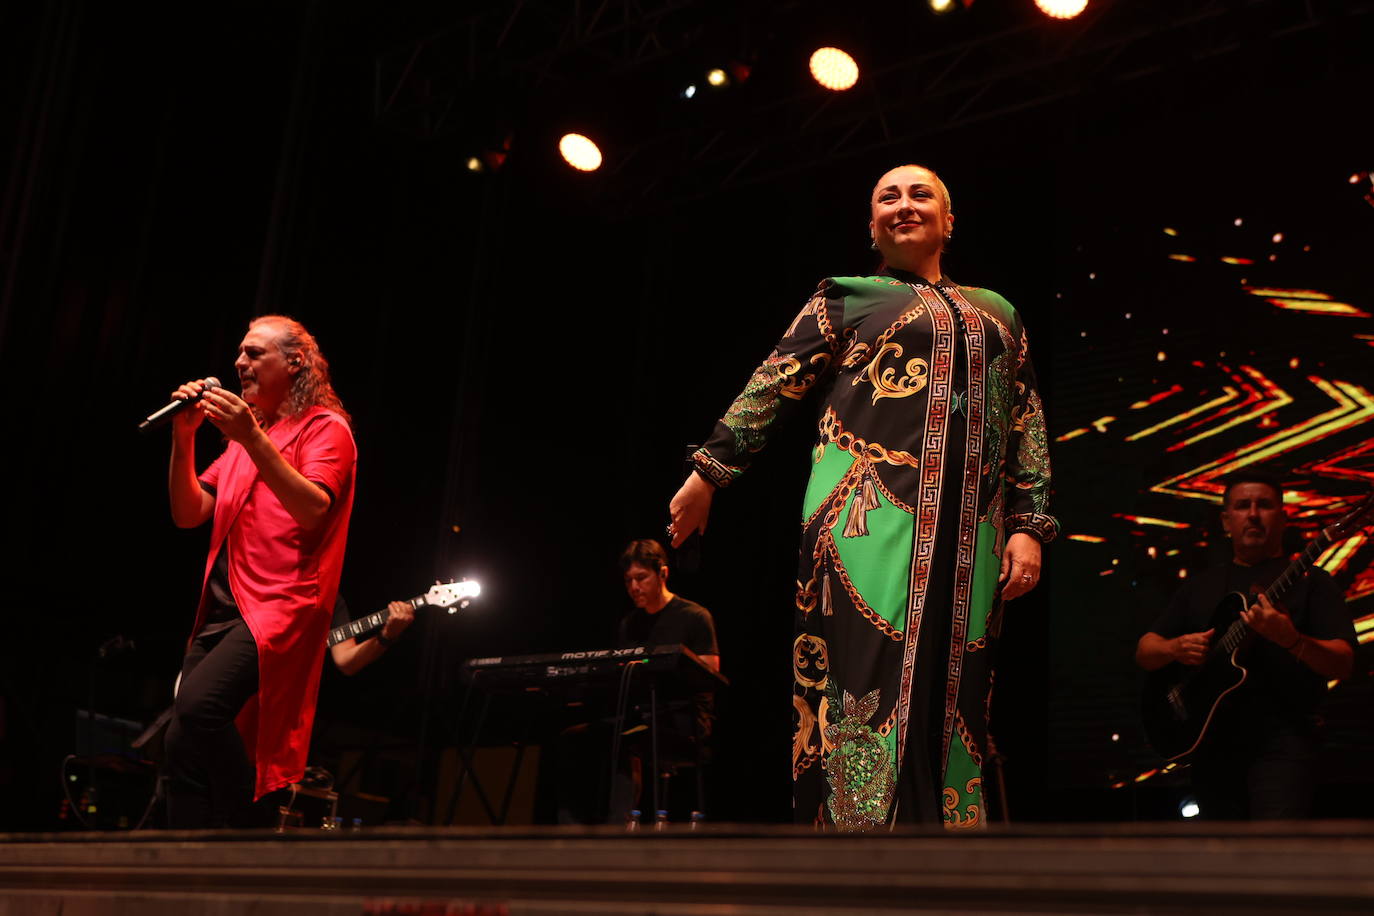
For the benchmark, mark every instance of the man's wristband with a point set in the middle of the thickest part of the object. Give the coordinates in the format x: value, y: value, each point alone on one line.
x: 383, y: 641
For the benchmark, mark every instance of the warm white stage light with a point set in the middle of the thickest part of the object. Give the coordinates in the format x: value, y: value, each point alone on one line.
x: 474, y: 164
x: 941, y: 6
x: 834, y: 69
x: 717, y: 77
x: 580, y: 152
x: 1061, y: 9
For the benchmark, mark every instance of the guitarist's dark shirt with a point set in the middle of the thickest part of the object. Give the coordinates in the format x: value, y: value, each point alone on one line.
x: 343, y: 616
x: 1280, y: 691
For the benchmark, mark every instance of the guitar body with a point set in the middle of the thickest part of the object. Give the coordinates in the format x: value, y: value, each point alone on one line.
x: 1180, y: 702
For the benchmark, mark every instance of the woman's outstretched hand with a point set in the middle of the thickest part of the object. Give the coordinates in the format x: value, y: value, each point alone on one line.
x: 690, y: 508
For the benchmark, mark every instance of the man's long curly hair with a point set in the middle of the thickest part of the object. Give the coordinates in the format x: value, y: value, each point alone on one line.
x: 311, y: 387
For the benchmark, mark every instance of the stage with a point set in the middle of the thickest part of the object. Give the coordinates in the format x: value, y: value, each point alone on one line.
x: 1280, y: 868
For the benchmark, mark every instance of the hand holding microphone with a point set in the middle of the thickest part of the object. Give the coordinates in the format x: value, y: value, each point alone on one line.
x: 182, y: 399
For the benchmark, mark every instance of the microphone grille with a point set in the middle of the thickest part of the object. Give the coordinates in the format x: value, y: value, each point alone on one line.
x: 213, y: 382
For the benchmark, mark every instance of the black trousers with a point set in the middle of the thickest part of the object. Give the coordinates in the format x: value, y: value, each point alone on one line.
x: 207, y: 776
x: 1266, y: 774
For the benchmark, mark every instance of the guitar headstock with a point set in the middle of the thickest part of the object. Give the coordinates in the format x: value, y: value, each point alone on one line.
x: 1352, y: 521
x: 449, y: 594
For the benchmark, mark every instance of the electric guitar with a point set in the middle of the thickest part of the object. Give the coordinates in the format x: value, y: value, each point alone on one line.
x: 449, y: 595
x: 1180, y: 701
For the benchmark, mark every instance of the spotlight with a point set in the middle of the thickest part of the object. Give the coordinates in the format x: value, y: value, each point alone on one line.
x: 941, y: 6
x: 580, y: 152
x: 1189, y: 807
x: 474, y: 164
x: 717, y: 78
x: 834, y: 69
x: 1061, y: 9
x: 689, y: 91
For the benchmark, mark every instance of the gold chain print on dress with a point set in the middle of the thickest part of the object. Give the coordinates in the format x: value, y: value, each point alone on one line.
x: 834, y: 431
x: 859, y: 769
x: 827, y: 554
x: 965, y: 736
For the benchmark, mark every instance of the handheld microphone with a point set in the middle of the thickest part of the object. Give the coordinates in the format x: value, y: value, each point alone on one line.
x: 159, y: 417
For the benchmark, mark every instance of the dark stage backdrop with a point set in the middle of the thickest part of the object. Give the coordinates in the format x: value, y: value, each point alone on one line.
x: 1217, y: 326
x: 525, y: 365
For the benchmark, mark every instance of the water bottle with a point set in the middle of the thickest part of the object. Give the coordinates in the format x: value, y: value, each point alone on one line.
x: 698, y: 818
x: 632, y: 820
x: 660, y: 819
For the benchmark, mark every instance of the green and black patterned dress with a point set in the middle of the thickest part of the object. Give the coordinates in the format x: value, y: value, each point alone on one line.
x: 931, y: 451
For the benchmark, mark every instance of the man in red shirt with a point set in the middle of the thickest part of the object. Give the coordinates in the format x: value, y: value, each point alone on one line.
x: 280, y: 496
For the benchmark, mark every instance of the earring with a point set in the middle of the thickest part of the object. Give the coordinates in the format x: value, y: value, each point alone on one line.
x: 873, y: 244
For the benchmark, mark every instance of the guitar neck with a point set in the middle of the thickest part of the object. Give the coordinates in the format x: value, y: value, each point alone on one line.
x: 364, y: 625
x: 1301, y: 565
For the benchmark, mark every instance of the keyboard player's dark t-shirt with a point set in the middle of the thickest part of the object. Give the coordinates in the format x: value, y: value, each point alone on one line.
x: 679, y: 622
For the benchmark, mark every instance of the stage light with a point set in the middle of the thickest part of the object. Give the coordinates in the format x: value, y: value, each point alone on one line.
x: 474, y: 164
x: 941, y: 6
x: 834, y: 69
x: 1278, y: 237
x: 580, y: 152
x: 689, y: 91
x: 1061, y: 9
x: 717, y: 78
x: 1189, y: 808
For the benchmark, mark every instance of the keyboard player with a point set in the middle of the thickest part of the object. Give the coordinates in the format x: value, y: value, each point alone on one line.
x: 661, y: 618
x: 658, y: 618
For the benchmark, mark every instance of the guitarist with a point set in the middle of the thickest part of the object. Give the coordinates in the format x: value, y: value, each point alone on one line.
x: 1257, y: 758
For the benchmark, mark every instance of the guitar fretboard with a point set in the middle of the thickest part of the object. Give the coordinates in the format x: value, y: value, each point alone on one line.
x: 355, y: 628
x: 363, y: 624
x: 1303, y: 562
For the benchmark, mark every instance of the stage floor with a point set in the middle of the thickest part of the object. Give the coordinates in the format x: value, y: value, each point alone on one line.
x: 1322, y: 867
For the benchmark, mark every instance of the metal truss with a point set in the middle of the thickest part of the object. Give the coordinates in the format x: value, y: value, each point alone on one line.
x: 524, y: 45
x: 1028, y: 62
